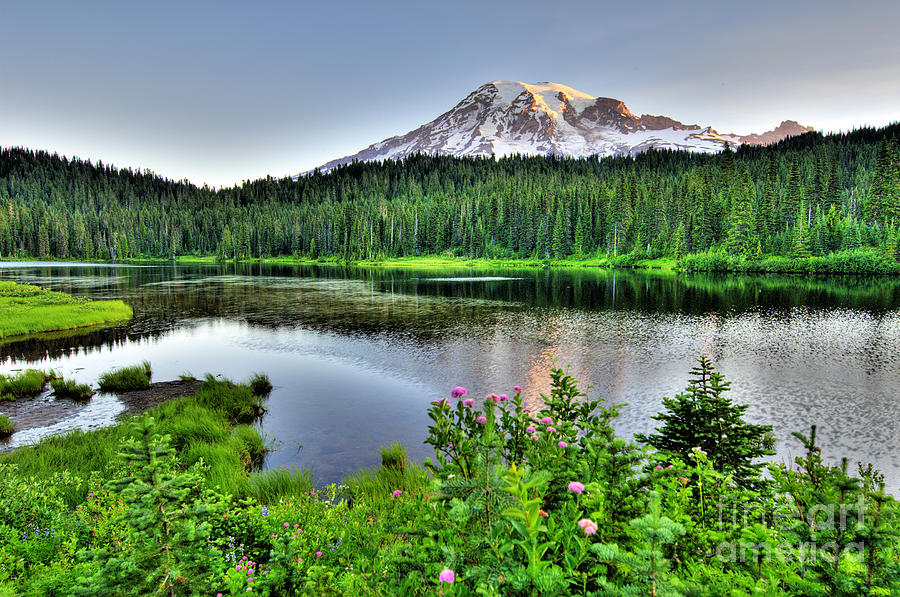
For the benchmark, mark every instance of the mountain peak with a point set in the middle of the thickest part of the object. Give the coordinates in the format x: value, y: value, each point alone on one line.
x: 511, y: 117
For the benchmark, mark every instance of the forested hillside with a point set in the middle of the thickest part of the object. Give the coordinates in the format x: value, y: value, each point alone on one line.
x: 808, y: 195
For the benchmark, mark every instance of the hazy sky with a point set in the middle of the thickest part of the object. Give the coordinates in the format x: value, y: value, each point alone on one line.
x: 219, y: 92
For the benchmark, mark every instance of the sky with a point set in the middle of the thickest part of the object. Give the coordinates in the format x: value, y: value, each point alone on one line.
x: 221, y: 92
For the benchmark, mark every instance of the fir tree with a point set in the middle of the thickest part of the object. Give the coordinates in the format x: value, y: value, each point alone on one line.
x: 704, y: 417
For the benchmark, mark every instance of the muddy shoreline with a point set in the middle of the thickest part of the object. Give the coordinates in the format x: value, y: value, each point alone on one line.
x: 47, y: 410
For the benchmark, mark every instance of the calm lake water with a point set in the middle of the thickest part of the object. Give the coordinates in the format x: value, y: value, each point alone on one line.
x: 357, y: 354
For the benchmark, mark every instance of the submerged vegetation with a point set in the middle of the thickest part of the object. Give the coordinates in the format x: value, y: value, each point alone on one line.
x: 513, y: 503
x: 26, y: 309
x: 806, y: 204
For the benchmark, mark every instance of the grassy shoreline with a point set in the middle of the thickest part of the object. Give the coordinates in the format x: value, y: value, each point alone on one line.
x: 850, y: 262
x: 26, y: 309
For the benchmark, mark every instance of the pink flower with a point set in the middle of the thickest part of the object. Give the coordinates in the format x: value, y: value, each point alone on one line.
x: 526, y: 410
x: 547, y: 421
x: 446, y: 575
x: 458, y: 391
x: 287, y: 524
x: 493, y: 397
x: 551, y: 429
x: 563, y: 445
x: 517, y: 389
x: 318, y: 554
x: 535, y: 438
x: 503, y: 397
x: 441, y: 401
x: 588, y: 526
x: 659, y: 467
x: 481, y: 419
x: 469, y: 401
x: 576, y: 487
x: 530, y: 429
x: 397, y: 493
x: 683, y: 480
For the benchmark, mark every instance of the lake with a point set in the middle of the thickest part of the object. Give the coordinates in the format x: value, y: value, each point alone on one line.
x: 357, y: 354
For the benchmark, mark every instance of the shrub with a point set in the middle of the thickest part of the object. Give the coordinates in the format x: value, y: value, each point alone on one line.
x: 69, y: 389
x: 126, y: 379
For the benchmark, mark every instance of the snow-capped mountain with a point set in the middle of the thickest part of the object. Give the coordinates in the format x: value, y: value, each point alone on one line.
x: 509, y: 117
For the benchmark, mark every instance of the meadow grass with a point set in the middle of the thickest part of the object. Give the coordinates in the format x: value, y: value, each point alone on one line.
x: 377, y: 485
x: 126, y: 379
x: 6, y: 426
x: 25, y: 384
x: 67, y: 388
x: 204, y: 429
x: 26, y: 309
x: 268, y: 487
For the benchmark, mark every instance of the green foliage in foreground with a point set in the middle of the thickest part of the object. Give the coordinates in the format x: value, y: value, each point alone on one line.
x: 28, y: 309
x: 517, y: 503
x: 126, y: 379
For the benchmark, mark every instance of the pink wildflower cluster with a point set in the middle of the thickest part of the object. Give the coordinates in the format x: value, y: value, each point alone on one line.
x: 458, y: 391
x: 447, y: 576
x: 588, y: 526
x: 251, y: 569
x: 397, y: 493
x: 576, y: 487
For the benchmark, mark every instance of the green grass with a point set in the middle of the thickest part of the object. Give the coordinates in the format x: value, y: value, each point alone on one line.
x: 377, y: 485
x: 28, y: 309
x: 6, y: 426
x: 126, y: 379
x: 25, y: 384
x: 200, y: 431
x: 260, y: 384
x: 67, y: 388
x: 269, y: 487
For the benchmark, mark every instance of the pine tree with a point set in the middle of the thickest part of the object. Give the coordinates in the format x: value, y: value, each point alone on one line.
x: 164, y: 510
x: 703, y: 417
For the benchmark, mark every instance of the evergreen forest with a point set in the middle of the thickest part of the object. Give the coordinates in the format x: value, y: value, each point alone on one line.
x: 809, y: 196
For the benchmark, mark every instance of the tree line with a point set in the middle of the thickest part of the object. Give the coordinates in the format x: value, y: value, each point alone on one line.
x: 807, y: 195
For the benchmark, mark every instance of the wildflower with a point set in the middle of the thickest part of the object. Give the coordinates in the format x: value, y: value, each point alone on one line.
x: 517, y: 389
x: 683, y: 480
x: 458, y: 391
x: 503, y: 397
x: 530, y: 429
x: 563, y: 445
x: 493, y: 397
x: 535, y: 438
x: 397, y: 493
x: 659, y: 467
x: 546, y: 421
x: 287, y: 524
x: 446, y: 575
x: 588, y: 526
x: 469, y: 401
x: 542, y: 513
x: 576, y: 487
x: 265, y: 511
x: 441, y: 401
x: 481, y: 420
x: 318, y: 554
x: 551, y: 429
x: 526, y: 410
